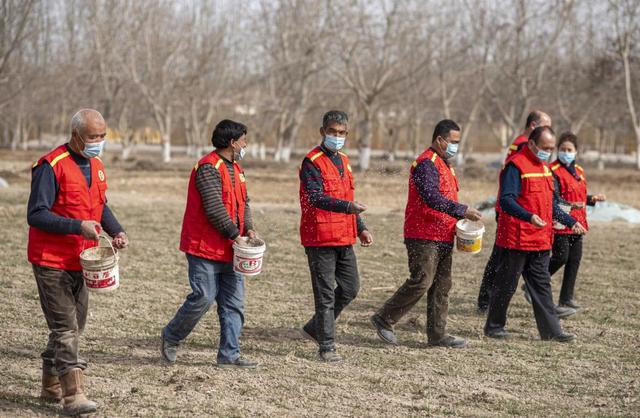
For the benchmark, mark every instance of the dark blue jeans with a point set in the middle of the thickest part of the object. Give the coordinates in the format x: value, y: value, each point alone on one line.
x: 211, y: 281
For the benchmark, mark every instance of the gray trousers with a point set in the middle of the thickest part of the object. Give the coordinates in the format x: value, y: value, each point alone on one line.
x: 65, y: 301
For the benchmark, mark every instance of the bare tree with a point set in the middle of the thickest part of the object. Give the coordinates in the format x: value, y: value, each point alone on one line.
x: 625, y: 15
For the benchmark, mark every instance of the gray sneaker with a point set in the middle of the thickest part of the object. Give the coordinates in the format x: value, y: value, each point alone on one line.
x: 564, y: 311
x: 168, y: 350
x: 308, y: 335
x: 329, y: 356
x: 383, y: 331
x: 239, y: 363
x: 449, y: 341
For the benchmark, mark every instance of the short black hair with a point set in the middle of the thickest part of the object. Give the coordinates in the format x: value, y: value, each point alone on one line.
x: 537, y: 133
x: 225, y: 131
x: 337, y: 116
x: 533, y: 117
x: 568, y: 137
x: 443, y: 128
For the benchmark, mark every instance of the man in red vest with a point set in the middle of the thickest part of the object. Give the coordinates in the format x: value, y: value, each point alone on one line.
x: 329, y: 225
x: 67, y: 209
x: 217, y: 215
x: 534, y: 119
x: 525, y: 236
x: 429, y: 228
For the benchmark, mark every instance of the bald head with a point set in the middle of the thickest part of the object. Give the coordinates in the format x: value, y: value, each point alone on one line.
x: 87, y: 127
x: 535, y: 119
x: 84, y: 117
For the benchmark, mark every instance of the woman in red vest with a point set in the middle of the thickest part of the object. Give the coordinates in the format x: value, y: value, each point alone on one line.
x: 217, y: 215
x: 571, y: 185
x: 67, y: 209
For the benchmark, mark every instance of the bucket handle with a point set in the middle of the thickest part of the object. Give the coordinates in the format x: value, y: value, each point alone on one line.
x: 105, y: 237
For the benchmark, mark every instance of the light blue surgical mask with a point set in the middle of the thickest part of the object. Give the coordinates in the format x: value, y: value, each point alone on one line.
x: 92, y: 150
x: 452, y: 150
x: 543, y: 155
x: 240, y: 154
x: 334, y: 143
x: 566, y: 157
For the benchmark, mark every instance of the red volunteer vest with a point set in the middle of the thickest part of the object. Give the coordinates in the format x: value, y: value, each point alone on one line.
x: 198, y: 236
x: 423, y: 222
x: 572, y: 190
x: 322, y: 228
x: 75, y: 200
x: 513, y: 148
x: 536, y: 196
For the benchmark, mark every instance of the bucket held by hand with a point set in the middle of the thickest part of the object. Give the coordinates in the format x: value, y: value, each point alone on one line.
x: 100, y: 267
x: 469, y: 236
x: 247, y: 259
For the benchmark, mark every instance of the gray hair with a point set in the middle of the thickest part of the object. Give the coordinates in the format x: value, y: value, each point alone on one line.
x: 337, y: 116
x: 78, y: 120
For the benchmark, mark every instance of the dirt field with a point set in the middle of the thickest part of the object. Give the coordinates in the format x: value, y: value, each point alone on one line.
x: 599, y: 375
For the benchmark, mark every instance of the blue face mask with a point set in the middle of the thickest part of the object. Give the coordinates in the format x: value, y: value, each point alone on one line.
x: 543, y: 155
x: 92, y: 150
x: 566, y: 157
x: 452, y: 150
x: 334, y: 143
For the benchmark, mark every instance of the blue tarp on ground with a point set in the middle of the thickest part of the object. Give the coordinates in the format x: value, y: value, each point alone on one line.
x: 602, y: 212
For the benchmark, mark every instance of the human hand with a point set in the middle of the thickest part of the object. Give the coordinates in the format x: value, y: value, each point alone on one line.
x: 537, y: 221
x: 252, y: 234
x: 120, y: 241
x: 598, y: 198
x: 366, y: 239
x: 472, y: 214
x: 90, y: 229
x: 579, y: 229
x: 240, y: 241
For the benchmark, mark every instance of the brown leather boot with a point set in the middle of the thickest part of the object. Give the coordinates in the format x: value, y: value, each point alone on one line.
x: 74, y: 400
x: 51, y: 389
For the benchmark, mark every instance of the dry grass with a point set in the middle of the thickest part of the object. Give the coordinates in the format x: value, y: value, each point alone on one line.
x: 596, y: 376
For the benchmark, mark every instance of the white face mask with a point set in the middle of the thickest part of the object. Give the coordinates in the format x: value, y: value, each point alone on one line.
x: 239, y: 155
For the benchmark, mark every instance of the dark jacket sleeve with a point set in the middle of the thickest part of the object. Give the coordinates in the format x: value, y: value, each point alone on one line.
x: 509, y: 192
x: 427, y: 180
x: 209, y: 185
x: 109, y: 222
x: 311, y: 179
x: 44, y: 190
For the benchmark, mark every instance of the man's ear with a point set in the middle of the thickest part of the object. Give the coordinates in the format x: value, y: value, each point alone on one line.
x: 321, y: 130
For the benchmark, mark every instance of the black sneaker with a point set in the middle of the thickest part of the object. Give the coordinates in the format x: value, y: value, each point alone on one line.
x: 449, y: 341
x: 329, y: 356
x: 570, y: 304
x: 563, y: 311
x: 384, y: 333
x: 564, y: 337
x: 239, y: 363
x: 499, y: 334
x: 308, y: 334
x: 168, y: 350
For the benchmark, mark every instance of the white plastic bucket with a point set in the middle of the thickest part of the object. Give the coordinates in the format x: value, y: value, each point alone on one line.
x: 469, y: 236
x: 100, y: 267
x: 247, y: 259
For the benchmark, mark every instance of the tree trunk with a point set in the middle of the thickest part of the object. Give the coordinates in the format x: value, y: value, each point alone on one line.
x: 365, y: 131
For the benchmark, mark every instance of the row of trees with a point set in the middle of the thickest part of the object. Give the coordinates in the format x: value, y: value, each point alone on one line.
x: 396, y: 66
